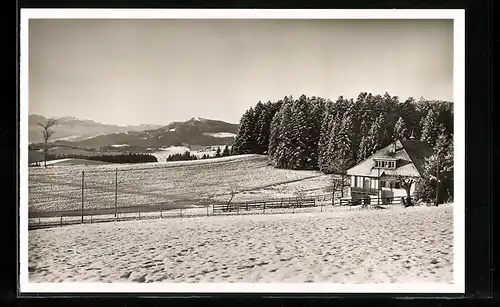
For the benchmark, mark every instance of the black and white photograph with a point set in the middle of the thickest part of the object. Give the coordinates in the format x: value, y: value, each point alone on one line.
x: 242, y: 151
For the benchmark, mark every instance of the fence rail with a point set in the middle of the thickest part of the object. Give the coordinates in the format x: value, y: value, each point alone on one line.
x: 383, y: 201
x: 39, y: 220
x: 282, y: 205
x: 296, y: 202
x: 159, y: 213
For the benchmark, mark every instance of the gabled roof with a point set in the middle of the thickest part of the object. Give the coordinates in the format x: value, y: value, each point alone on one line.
x: 418, y: 151
x: 411, y: 155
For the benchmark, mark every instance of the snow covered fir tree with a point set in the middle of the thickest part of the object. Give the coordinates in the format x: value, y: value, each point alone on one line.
x: 314, y: 133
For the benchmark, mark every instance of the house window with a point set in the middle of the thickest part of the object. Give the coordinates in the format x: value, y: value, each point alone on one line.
x: 385, y: 164
x: 355, y: 181
x: 395, y: 185
x: 382, y: 183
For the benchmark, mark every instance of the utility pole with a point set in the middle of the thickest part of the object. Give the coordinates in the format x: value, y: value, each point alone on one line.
x: 437, y: 182
x: 378, y: 186
x: 116, y: 190
x: 83, y: 189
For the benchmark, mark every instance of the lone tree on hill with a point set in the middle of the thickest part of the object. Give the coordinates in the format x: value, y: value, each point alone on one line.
x: 47, y: 133
x: 233, y: 190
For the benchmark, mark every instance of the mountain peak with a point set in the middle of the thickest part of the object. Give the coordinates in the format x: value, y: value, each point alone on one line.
x: 197, y: 119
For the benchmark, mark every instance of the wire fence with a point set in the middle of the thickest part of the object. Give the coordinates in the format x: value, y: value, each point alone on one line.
x: 59, y: 197
x: 294, y: 205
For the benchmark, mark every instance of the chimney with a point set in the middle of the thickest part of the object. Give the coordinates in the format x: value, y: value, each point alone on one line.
x: 412, y: 137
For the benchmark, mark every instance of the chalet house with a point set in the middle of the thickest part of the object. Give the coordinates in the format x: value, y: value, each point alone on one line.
x: 377, y: 176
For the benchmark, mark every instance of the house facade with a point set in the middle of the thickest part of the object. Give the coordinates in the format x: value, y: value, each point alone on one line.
x: 379, y: 175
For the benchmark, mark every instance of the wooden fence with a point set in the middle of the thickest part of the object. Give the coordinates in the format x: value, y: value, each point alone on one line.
x: 382, y: 201
x: 47, y: 220
x: 281, y: 203
x: 62, y: 220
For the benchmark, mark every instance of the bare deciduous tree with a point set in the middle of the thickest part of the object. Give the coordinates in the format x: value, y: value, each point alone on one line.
x: 233, y: 190
x: 406, y: 182
x: 337, y: 184
x: 47, y: 133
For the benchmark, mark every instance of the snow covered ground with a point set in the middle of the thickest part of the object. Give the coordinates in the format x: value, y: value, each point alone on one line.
x: 369, y: 246
x: 220, y: 134
x: 51, y: 162
x: 59, y: 188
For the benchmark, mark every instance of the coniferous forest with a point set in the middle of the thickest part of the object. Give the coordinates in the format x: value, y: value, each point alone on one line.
x: 111, y: 158
x: 315, y: 133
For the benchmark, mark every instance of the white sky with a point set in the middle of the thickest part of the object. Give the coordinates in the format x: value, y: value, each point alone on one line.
x: 159, y: 71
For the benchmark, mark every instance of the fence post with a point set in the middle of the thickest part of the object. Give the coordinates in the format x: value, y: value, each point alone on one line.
x: 91, y: 219
x: 61, y: 219
x: 116, y: 189
x: 83, y: 189
x: 264, y: 210
x: 322, y: 207
x: 207, y: 209
x: 39, y: 221
x: 180, y: 209
x: 139, y: 215
x: 161, y: 213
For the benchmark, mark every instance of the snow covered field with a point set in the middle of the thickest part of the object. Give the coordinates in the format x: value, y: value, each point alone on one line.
x: 368, y: 246
x: 184, y: 182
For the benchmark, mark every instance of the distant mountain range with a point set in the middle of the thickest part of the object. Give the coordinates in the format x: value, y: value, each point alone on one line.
x: 74, y: 129
x: 89, y: 134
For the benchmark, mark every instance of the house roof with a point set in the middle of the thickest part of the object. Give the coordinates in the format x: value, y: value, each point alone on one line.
x: 411, y: 155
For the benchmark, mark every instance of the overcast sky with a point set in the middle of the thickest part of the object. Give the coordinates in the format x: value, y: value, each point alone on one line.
x: 159, y: 71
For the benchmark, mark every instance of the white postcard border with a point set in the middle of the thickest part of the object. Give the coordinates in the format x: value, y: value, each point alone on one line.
x: 459, y: 138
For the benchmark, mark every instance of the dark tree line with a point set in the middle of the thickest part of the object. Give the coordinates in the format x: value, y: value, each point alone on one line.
x: 317, y: 133
x: 255, y: 128
x: 118, y: 158
x: 187, y: 156
x: 332, y: 136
